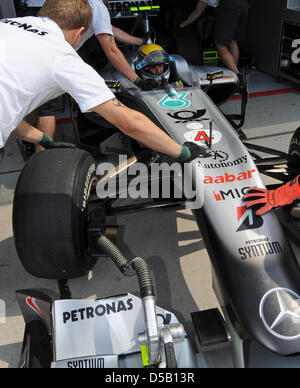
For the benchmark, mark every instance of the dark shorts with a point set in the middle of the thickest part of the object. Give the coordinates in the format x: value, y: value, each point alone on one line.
x: 32, y: 11
x: 53, y: 107
x: 231, y: 21
x: 1, y: 154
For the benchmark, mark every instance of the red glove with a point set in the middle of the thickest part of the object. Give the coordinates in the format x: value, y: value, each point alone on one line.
x: 284, y: 195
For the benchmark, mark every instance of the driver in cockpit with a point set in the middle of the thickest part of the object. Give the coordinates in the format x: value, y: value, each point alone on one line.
x: 154, y: 63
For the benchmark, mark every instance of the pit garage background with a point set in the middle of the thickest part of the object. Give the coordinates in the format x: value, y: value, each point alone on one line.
x: 274, y: 25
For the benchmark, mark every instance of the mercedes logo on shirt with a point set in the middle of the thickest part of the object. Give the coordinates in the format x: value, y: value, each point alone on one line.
x: 280, y: 313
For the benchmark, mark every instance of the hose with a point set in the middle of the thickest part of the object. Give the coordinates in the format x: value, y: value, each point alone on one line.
x: 144, y: 276
x: 113, y: 252
x: 137, y: 266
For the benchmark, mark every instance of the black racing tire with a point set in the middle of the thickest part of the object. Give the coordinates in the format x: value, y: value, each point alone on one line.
x: 294, y: 152
x: 50, y: 214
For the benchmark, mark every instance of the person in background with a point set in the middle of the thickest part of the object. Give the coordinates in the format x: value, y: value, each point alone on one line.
x: 267, y: 200
x: 231, y: 21
x: 200, y: 9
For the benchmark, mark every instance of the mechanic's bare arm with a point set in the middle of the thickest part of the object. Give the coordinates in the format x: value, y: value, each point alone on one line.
x: 116, y: 57
x: 138, y: 126
x: 27, y: 132
x: 123, y: 37
x: 200, y: 8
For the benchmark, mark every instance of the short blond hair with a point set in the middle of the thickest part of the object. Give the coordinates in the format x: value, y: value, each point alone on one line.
x: 68, y: 14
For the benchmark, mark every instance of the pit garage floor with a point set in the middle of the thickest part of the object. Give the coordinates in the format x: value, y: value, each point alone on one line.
x: 167, y: 239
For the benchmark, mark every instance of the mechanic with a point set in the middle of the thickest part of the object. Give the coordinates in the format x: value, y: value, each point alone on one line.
x: 201, y: 7
x: 269, y: 199
x: 50, y: 67
x: 231, y: 21
x: 105, y: 33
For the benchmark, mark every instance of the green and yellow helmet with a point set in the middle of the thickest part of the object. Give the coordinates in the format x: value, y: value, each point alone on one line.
x: 152, y: 55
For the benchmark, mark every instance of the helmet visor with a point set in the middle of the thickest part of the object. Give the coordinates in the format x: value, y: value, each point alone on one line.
x: 158, y: 57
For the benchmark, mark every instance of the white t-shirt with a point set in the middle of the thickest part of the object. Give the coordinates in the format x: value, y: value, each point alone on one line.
x: 101, y: 23
x: 37, y: 64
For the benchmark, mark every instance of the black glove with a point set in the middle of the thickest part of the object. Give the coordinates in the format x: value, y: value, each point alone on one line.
x: 48, y: 143
x: 52, y: 145
x: 191, y: 151
x: 145, y: 84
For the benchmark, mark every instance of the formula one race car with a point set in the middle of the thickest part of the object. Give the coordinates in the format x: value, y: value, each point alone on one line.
x: 60, y: 232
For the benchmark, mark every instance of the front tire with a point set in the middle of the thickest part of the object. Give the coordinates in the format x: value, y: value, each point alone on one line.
x: 50, y: 216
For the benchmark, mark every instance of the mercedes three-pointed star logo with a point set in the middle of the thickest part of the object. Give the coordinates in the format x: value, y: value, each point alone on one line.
x: 280, y: 313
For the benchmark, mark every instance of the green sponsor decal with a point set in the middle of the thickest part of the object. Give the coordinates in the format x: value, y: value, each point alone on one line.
x: 177, y: 101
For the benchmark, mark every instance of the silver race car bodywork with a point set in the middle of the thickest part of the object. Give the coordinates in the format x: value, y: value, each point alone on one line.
x: 251, y: 257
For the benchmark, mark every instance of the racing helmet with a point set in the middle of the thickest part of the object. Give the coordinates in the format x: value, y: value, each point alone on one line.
x: 151, y: 55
